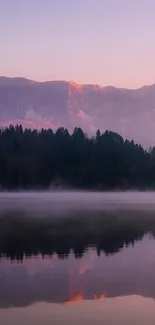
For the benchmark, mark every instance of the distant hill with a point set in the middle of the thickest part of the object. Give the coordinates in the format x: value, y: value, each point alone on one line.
x: 60, y: 103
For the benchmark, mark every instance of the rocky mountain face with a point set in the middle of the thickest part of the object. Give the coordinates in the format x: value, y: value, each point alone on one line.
x: 54, y: 104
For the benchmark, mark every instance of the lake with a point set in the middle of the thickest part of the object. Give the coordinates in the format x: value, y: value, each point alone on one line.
x: 77, y: 258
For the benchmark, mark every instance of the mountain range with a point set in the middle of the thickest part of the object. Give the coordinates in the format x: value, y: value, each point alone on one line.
x: 52, y: 104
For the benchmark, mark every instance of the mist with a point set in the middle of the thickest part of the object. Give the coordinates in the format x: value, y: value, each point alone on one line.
x: 64, y: 203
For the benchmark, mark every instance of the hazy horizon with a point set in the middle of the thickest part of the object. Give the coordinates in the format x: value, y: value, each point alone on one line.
x: 72, y: 81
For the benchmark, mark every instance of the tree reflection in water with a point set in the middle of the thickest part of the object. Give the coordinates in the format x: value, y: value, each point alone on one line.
x: 107, y: 232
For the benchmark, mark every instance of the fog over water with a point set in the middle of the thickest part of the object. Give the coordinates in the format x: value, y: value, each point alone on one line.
x: 62, y: 202
x: 77, y: 258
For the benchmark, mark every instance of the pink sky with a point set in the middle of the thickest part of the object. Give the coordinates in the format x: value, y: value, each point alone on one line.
x: 103, y: 42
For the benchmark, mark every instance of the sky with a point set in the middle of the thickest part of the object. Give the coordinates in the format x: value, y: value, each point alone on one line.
x: 106, y: 42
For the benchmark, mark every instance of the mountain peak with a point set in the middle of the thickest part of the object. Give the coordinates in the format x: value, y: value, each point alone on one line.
x: 52, y: 104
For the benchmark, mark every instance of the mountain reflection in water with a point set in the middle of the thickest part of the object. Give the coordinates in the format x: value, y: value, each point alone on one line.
x: 53, y: 280
x: 79, y: 257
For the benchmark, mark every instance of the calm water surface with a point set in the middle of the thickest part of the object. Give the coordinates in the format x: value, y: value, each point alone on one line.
x: 93, y: 263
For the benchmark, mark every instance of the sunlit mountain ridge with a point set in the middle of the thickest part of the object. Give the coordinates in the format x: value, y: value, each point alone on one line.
x: 52, y: 104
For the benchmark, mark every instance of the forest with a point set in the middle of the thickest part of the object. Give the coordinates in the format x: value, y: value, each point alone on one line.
x: 31, y: 159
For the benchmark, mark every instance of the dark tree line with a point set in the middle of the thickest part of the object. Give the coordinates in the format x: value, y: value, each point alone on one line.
x: 39, y: 159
